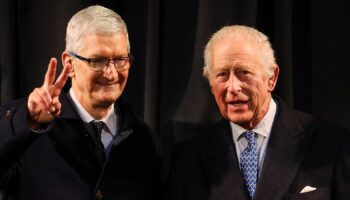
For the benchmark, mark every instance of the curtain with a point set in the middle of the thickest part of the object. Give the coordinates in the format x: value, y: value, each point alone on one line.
x: 166, y: 86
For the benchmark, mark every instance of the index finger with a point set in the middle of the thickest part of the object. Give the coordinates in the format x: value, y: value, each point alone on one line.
x: 51, y: 72
x: 62, y: 79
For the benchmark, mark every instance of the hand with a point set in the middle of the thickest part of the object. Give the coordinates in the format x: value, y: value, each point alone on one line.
x: 43, y: 102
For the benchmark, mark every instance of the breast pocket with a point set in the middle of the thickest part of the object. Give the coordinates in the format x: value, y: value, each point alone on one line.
x: 318, y: 194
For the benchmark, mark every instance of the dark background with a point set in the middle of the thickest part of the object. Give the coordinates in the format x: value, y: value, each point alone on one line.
x: 166, y: 87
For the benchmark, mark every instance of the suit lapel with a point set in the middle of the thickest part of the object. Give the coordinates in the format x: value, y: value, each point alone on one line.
x: 220, y: 160
x: 75, y: 141
x: 285, y: 151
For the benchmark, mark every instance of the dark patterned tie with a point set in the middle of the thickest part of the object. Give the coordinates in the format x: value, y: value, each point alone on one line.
x: 249, y: 163
x: 98, y: 127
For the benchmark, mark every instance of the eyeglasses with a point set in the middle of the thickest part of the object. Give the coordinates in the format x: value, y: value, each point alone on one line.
x: 101, y: 64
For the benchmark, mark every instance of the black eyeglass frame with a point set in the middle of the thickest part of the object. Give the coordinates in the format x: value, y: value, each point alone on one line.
x: 130, y: 58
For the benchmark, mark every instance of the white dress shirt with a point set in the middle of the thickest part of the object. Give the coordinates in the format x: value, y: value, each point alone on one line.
x: 109, y: 131
x: 262, y: 130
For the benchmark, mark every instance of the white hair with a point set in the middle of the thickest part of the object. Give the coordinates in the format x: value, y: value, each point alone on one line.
x: 238, y: 32
x: 93, y: 20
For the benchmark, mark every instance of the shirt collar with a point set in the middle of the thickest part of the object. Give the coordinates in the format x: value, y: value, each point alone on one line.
x: 263, y: 128
x: 110, y: 120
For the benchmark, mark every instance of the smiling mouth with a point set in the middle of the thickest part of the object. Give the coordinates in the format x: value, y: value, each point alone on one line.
x: 238, y: 103
x: 108, y: 84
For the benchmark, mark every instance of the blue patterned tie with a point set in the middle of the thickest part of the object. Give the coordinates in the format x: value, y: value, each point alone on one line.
x: 249, y: 163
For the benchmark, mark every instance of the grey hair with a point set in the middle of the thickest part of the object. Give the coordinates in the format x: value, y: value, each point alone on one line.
x: 265, y: 51
x: 93, y: 20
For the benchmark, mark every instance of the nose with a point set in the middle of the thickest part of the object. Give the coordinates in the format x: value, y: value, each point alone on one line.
x: 110, y: 72
x: 234, y: 84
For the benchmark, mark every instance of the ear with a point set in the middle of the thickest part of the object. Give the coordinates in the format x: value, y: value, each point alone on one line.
x: 67, y: 59
x: 211, y: 88
x: 208, y: 78
x: 271, y: 84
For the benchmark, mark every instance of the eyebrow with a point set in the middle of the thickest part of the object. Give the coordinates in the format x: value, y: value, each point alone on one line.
x: 234, y: 66
x: 97, y: 55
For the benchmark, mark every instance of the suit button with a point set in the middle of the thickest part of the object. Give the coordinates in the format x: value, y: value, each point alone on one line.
x: 99, y: 195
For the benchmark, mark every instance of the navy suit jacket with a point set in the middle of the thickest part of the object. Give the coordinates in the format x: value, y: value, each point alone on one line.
x: 66, y: 163
x: 302, y: 151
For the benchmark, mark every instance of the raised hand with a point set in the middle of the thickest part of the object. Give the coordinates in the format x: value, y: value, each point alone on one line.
x: 43, y: 102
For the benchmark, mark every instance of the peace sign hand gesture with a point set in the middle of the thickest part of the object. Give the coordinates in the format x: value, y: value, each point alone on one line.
x: 43, y: 102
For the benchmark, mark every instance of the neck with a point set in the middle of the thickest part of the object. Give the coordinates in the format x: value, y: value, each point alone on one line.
x: 259, y: 115
x: 98, y: 112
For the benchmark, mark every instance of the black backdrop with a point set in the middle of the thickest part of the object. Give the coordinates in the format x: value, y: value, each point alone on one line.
x: 165, y: 86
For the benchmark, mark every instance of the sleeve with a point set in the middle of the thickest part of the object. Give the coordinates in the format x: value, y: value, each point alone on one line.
x: 15, y: 138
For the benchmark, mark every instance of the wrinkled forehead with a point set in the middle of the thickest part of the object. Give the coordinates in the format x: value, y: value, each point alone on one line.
x: 233, y: 41
x: 234, y: 49
x: 108, y: 43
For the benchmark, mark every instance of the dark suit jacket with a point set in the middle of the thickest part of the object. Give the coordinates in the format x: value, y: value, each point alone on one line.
x: 302, y: 151
x: 66, y: 163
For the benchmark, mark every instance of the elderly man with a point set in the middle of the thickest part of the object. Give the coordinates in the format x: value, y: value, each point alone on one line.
x: 261, y: 149
x: 86, y: 144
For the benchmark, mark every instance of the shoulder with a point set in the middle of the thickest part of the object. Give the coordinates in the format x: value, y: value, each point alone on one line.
x: 216, y: 134
x: 309, y: 123
x: 125, y: 111
x: 130, y: 121
x: 329, y: 129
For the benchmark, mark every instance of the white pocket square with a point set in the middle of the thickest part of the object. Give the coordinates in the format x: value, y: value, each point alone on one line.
x: 307, y: 189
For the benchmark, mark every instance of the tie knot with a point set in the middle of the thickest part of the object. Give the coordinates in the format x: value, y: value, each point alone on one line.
x: 98, y: 127
x: 250, y: 137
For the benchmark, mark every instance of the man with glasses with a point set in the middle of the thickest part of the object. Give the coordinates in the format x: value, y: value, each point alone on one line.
x: 85, y: 144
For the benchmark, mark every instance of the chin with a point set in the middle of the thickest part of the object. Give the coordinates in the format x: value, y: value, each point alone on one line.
x: 104, y: 103
x: 106, y: 100
x: 240, y: 119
